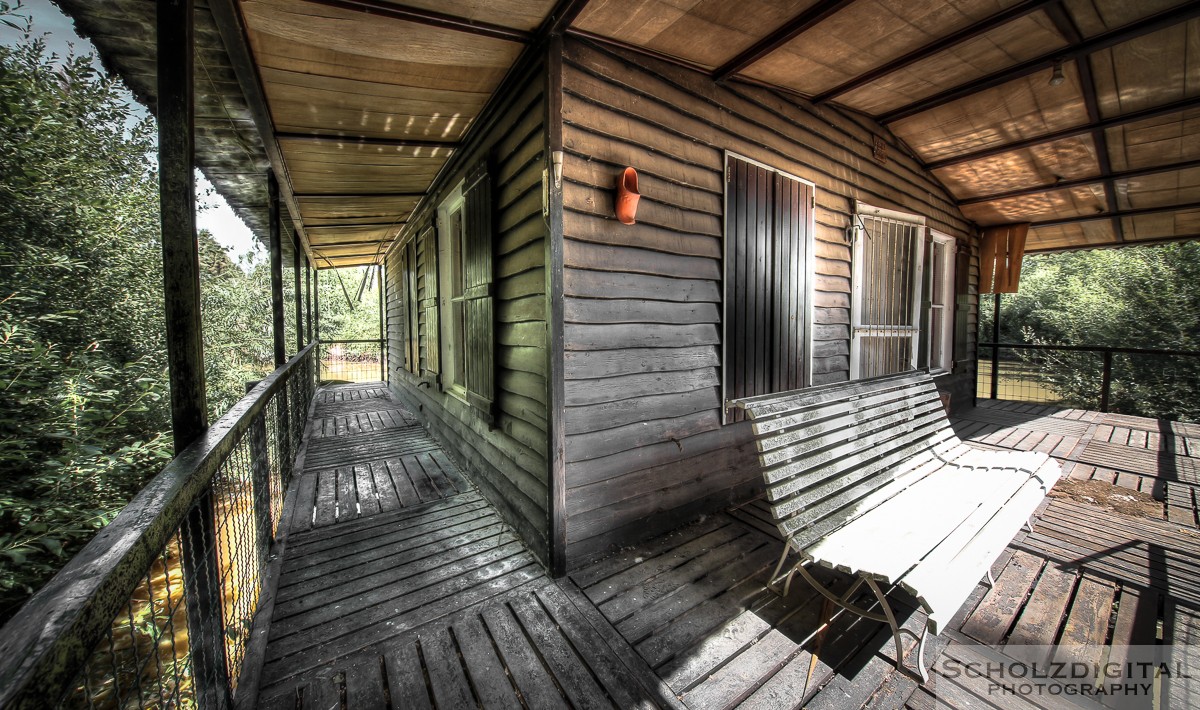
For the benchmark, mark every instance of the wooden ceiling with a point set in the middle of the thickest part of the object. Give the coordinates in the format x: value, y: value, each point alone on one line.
x: 359, y: 104
x: 1075, y: 115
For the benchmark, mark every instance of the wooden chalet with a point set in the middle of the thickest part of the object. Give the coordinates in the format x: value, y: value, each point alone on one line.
x: 826, y: 187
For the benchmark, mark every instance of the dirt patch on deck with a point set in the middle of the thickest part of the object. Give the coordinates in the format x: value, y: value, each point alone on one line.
x: 1125, y: 501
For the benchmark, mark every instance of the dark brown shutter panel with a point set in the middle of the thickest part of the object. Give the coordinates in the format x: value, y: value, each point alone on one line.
x: 767, y: 216
x: 429, y: 304
x: 477, y: 289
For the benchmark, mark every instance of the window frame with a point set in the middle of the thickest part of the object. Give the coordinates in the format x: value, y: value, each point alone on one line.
x: 858, y: 329
x: 944, y: 365
x: 809, y: 267
x: 452, y: 343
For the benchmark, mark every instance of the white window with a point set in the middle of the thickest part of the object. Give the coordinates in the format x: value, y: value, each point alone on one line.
x: 886, y: 300
x: 941, y: 302
x: 450, y: 241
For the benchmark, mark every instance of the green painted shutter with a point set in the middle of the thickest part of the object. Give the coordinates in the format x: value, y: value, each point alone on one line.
x: 477, y: 289
x: 413, y: 353
x: 429, y: 304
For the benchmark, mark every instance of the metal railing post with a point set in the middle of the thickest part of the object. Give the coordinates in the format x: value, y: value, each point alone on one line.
x: 260, y: 481
x: 1106, y: 379
x: 996, y: 347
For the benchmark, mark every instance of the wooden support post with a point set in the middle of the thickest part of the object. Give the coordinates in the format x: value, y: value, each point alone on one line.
x: 299, y: 302
x: 277, y: 326
x: 317, y: 302
x: 185, y: 344
x: 555, y: 384
x: 382, y: 333
x: 308, y: 298
x: 996, y: 346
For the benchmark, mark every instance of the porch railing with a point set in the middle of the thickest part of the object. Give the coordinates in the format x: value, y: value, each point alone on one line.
x: 352, y: 361
x: 156, y: 610
x: 1163, y: 384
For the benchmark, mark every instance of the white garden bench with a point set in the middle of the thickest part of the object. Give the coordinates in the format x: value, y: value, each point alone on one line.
x: 868, y: 478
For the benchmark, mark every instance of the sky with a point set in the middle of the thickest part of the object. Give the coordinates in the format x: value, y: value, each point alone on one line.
x: 213, y: 214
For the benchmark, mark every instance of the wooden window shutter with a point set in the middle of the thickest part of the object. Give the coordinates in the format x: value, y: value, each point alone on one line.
x: 413, y: 353
x: 429, y: 304
x: 477, y: 289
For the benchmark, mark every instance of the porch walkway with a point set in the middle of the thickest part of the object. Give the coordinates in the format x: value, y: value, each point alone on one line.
x: 400, y: 587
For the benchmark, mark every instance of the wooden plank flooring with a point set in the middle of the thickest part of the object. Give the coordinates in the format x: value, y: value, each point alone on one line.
x: 1158, y: 458
x: 400, y: 586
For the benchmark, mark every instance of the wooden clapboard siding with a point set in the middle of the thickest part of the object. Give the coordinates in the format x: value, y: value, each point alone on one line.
x: 645, y: 444
x: 507, y: 459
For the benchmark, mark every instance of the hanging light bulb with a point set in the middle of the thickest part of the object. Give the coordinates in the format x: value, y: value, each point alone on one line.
x: 1057, y: 77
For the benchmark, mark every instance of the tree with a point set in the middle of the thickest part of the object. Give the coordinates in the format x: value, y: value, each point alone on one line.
x: 1133, y: 297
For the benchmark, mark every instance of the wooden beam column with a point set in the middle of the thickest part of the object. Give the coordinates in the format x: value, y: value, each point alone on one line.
x: 277, y: 325
x: 297, y: 292
x: 175, y: 36
x: 308, y: 298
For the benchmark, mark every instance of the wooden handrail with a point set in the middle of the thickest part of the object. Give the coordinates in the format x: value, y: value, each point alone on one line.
x: 43, y: 647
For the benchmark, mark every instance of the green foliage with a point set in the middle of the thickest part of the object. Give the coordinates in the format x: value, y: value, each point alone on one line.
x: 84, y: 402
x: 1134, y: 297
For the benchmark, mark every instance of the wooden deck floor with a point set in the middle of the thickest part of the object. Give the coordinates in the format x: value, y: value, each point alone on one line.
x: 400, y: 587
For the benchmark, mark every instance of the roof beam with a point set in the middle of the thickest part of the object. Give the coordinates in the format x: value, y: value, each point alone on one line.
x: 430, y: 18
x: 229, y: 24
x: 935, y: 47
x: 1114, y: 122
x: 560, y: 18
x: 1132, y: 31
x: 795, y: 27
x: 347, y: 225
x: 357, y: 195
x: 1115, y: 215
x: 1114, y: 245
x: 357, y: 140
x: 1083, y: 66
x: 1079, y: 182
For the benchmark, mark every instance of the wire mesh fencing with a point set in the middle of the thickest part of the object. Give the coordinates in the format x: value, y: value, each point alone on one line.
x: 1160, y: 384
x: 172, y: 585
x: 352, y: 361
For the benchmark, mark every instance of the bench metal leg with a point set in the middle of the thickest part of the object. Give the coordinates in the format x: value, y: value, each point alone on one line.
x: 991, y: 581
x: 843, y: 601
x: 897, y: 631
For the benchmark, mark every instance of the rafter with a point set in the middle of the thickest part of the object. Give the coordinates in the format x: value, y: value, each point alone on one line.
x: 358, y: 140
x: 935, y: 47
x: 1083, y: 66
x: 1114, y: 122
x: 560, y: 18
x: 795, y: 27
x: 1098, y: 43
x: 1079, y: 182
x: 1139, y: 242
x: 229, y: 24
x: 430, y: 18
x: 1115, y: 215
x: 347, y: 225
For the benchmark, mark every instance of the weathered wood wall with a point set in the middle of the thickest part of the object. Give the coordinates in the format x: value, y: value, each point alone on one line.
x: 508, y: 460
x: 645, y: 444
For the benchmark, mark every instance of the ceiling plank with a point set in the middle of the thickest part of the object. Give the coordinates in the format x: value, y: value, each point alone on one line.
x: 1151, y: 24
x: 355, y: 195
x: 356, y: 140
x: 792, y: 29
x: 1066, y: 26
x: 429, y: 18
x: 1079, y: 182
x: 937, y: 46
x: 1115, y: 215
x: 1134, y: 117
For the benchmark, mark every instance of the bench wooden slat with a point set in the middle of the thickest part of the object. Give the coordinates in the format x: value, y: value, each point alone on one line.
x: 885, y: 543
x: 771, y: 404
x: 814, y: 415
x: 950, y: 572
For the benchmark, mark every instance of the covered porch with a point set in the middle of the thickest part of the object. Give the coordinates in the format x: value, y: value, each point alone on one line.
x: 399, y: 584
